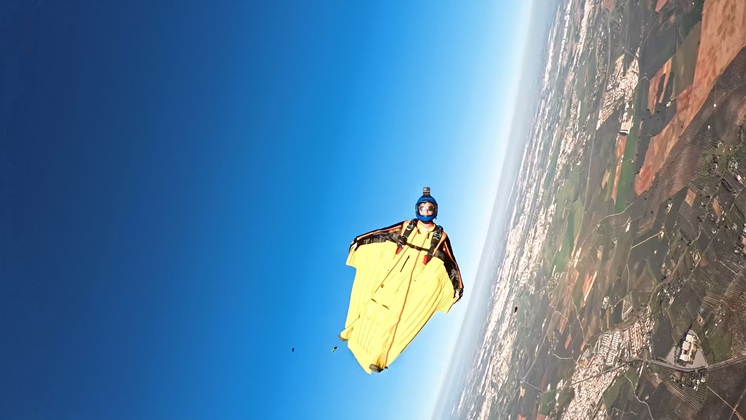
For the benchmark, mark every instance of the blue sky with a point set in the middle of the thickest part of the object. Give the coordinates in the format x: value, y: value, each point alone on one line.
x: 180, y: 181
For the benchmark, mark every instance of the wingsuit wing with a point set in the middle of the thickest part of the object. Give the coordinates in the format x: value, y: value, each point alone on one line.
x: 395, y: 293
x: 375, y: 249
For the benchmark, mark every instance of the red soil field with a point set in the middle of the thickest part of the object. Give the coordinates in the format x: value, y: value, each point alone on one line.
x: 723, y: 36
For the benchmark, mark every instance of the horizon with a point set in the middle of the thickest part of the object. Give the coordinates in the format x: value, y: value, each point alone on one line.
x: 470, y: 327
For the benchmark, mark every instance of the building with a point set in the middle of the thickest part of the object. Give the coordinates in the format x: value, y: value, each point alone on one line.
x: 687, y: 349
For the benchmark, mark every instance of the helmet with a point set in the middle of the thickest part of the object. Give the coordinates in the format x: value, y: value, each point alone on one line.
x: 426, y: 198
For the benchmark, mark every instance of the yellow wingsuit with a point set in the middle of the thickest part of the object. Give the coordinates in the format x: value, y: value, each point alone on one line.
x: 395, y: 293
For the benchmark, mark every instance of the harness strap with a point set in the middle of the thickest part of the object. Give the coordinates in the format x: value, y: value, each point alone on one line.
x: 437, y: 238
x: 434, y: 242
x: 404, y: 235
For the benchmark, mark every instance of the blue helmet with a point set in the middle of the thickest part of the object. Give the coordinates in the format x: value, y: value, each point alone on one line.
x: 426, y: 198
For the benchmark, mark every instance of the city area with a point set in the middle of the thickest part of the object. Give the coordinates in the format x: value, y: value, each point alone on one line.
x: 622, y: 292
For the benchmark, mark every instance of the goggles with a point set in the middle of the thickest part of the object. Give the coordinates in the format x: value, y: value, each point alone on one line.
x: 426, y: 208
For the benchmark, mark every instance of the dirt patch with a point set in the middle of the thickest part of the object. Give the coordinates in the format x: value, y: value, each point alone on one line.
x: 616, y: 181
x: 605, y: 179
x: 690, y: 197
x: 620, y: 146
x: 608, y: 5
x: 661, y: 144
x: 717, y: 208
x: 573, y: 275
x: 660, y: 5
x: 562, y: 324
x: 722, y: 36
x: 654, y: 97
x: 621, y: 143
x: 587, y: 285
x: 708, y: 125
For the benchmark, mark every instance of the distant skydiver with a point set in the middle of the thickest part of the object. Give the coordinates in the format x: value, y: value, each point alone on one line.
x: 405, y: 272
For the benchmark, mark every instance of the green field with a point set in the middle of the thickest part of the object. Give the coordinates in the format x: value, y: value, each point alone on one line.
x: 623, y: 387
x: 552, y: 167
x: 610, y: 182
x: 692, y: 17
x: 582, y: 84
x: 627, y: 176
x: 619, y: 6
x: 717, y: 345
x: 631, y: 375
x: 558, y: 251
x: 617, y: 388
x: 563, y: 254
x: 546, y: 402
x: 567, y: 192
x: 683, y: 63
x: 577, y: 294
x: 577, y: 213
x: 565, y: 396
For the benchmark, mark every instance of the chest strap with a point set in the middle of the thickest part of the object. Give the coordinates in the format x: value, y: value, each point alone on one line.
x: 434, y: 242
x: 404, y: 235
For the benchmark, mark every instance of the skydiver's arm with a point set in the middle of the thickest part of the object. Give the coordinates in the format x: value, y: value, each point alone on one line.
x: 389, y: 233
x: 451, y: 266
